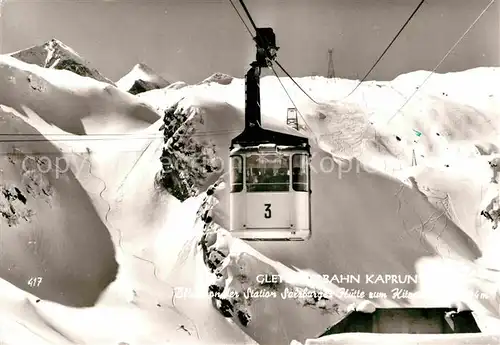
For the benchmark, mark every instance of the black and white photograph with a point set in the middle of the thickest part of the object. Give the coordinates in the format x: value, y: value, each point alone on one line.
x: 249, y: 172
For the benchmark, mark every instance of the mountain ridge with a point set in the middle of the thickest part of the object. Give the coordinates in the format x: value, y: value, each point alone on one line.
x: 141, y: 78
x: 54, y: 54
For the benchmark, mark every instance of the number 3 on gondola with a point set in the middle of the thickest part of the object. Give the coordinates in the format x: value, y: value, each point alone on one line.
x: 267, y: 213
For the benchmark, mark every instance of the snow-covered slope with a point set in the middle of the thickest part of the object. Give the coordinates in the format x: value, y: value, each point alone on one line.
x: 369, y: 215
x: 57, y: 55
x: 50, y: 231
x: 356, y: 209
x: 140, y: 79
x: 70, y: 102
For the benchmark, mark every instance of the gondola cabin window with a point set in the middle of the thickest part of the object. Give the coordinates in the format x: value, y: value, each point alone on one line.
x: 299, y: 172
x: 267, y: 173
x: 236, y: 174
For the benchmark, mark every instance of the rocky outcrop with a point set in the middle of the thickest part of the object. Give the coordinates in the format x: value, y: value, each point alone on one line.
x: 141, y: 79
x: 186, y: 162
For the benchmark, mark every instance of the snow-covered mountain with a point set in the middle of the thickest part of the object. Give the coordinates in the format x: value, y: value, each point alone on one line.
x: 84, y: 105
x: 57, y: 55
x: 83, y: 157
x: 368, y: 201
x: 140, y: 79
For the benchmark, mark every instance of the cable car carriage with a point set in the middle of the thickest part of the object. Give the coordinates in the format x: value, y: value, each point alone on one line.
x: 269, y: 170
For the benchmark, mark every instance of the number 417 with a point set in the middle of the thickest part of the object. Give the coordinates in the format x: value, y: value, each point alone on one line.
x: 35, y: 281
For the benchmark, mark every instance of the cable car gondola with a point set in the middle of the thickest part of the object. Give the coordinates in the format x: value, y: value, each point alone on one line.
x: 270, y: 170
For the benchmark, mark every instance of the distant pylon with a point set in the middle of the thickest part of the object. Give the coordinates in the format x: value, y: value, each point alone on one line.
x: 413, y: 159
x: 331, y: 70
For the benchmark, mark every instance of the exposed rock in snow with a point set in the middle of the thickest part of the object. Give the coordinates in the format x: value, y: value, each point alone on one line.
x: 177, y: 85
x: 57, y: 55
x: 13, y: 205
x: 141, y: 79
x: 187, y: 160
x: 220, y: 78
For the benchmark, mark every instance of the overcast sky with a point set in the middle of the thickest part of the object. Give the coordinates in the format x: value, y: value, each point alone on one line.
x: 191, y: 39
